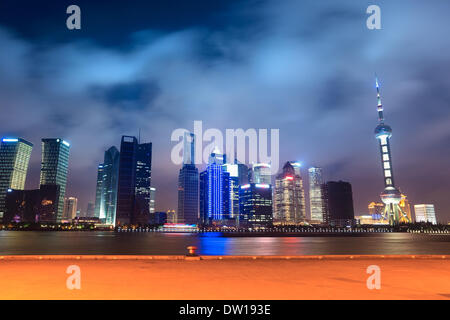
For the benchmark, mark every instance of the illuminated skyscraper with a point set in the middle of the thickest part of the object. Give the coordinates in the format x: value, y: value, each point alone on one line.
x: 255, y: 205
x: 99, y: 200
x: 134, y: 180
x: 391, y: 196
x: 215, y: 185
x: 106, y: 192
x: 425, y: 213
x: 14, y: 158
x: 188, y: 184
x: 54, y: 167
x: 238, y: 177
x: 289, y: 197
x: 316, y: 197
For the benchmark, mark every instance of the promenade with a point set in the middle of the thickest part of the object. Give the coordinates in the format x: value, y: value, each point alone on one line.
x: 213, y: 277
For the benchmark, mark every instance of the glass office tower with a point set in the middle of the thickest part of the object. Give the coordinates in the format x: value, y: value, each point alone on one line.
x: 133, y: 188
x: 316, y: 198
x: 106, y: 192
x: 54, y: 168
x: 14, y: 159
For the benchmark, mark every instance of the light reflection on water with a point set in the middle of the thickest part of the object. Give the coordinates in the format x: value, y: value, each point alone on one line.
x: 31, y: 242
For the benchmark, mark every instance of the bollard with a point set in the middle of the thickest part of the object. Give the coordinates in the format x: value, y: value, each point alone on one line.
x: 191, y: 251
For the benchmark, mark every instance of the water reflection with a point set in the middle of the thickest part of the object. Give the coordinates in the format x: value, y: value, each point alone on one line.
x: 30, y: 242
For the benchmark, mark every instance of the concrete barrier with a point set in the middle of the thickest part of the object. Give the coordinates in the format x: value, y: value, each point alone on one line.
x: 187, y: 258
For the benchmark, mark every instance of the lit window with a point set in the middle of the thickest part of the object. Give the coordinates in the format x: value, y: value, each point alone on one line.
x: 388, y: 181
x: 385, y: 149
x: 387, y: 173
x: 387, y: 165
x: 385, y: 157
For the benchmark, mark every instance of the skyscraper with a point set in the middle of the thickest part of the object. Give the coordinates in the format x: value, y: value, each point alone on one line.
x: 70, y: 208
x: 339, y: 197
x: 143, y: 183
x: 99, y: 200
x: 255, y: 205
x: 425, y: 213
x: 133, y: 191
x: 289, y: 202
x: 316, y: 197
x: 238, y: 176
x: 106, y: 191
x: 54, y: 167
x: 14, y: 159
x: 188, y: 184
x: 215, y: 204
x: 391, y: 196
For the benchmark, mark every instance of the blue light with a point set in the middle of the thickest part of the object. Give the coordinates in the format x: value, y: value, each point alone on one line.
x: 66, y: 143
x: 10, y: 140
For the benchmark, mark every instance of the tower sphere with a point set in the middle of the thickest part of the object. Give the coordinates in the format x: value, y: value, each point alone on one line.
x: 391, y: 195
x: 383, y: 130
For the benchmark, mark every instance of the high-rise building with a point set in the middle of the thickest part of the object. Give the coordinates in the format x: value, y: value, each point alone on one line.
x: 54, y: 167
x: 188, y: 184
x: 255, y: 202
x: 391, y: 196
x: 14, y: 159
x: 316, y: 197
x: 70, y: 209
x: 152, y: 199
x: 289, y: 196
x: 99, y: 200
x: 215, y: 185
x: 133, y: 191
x: 339, y: 203
x: 188, y: 188
x: 106, y: 191
x: 143, y: 183
x: 425, y: 213
x: 261, y: 173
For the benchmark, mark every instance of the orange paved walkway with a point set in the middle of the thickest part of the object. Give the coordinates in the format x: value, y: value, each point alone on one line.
x: 226, y: 279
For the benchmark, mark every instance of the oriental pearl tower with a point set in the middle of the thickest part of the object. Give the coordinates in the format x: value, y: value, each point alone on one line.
x: 391, y: 196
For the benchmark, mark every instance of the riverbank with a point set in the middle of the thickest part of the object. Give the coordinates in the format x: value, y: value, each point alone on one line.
x: 216, y: 277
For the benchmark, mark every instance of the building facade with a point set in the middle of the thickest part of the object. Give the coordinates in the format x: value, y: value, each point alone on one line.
x: 106, y: 191
x: 32, y: 206
x: 255, y: 202
x: 188, y: 184
x: 261, y: 173
x: 15, y: 156
x: 215, y: 190
x: 134, y: 181
x: 70, y: 209
x: 54, y: 168
x: 289, y: 196
x: 316, y: 197
x: 339, y: 198
x: 425, y: 213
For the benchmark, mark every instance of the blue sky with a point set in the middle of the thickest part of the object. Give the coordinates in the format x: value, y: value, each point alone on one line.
x: 304, y: 67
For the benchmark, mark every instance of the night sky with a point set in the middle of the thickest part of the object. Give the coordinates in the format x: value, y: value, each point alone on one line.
x: 304, y: 67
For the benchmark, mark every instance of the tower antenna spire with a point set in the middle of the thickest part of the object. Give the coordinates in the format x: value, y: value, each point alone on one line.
x: 379, y: 104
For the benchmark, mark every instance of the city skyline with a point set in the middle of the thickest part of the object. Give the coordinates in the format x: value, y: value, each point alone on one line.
x: 317, y: 98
